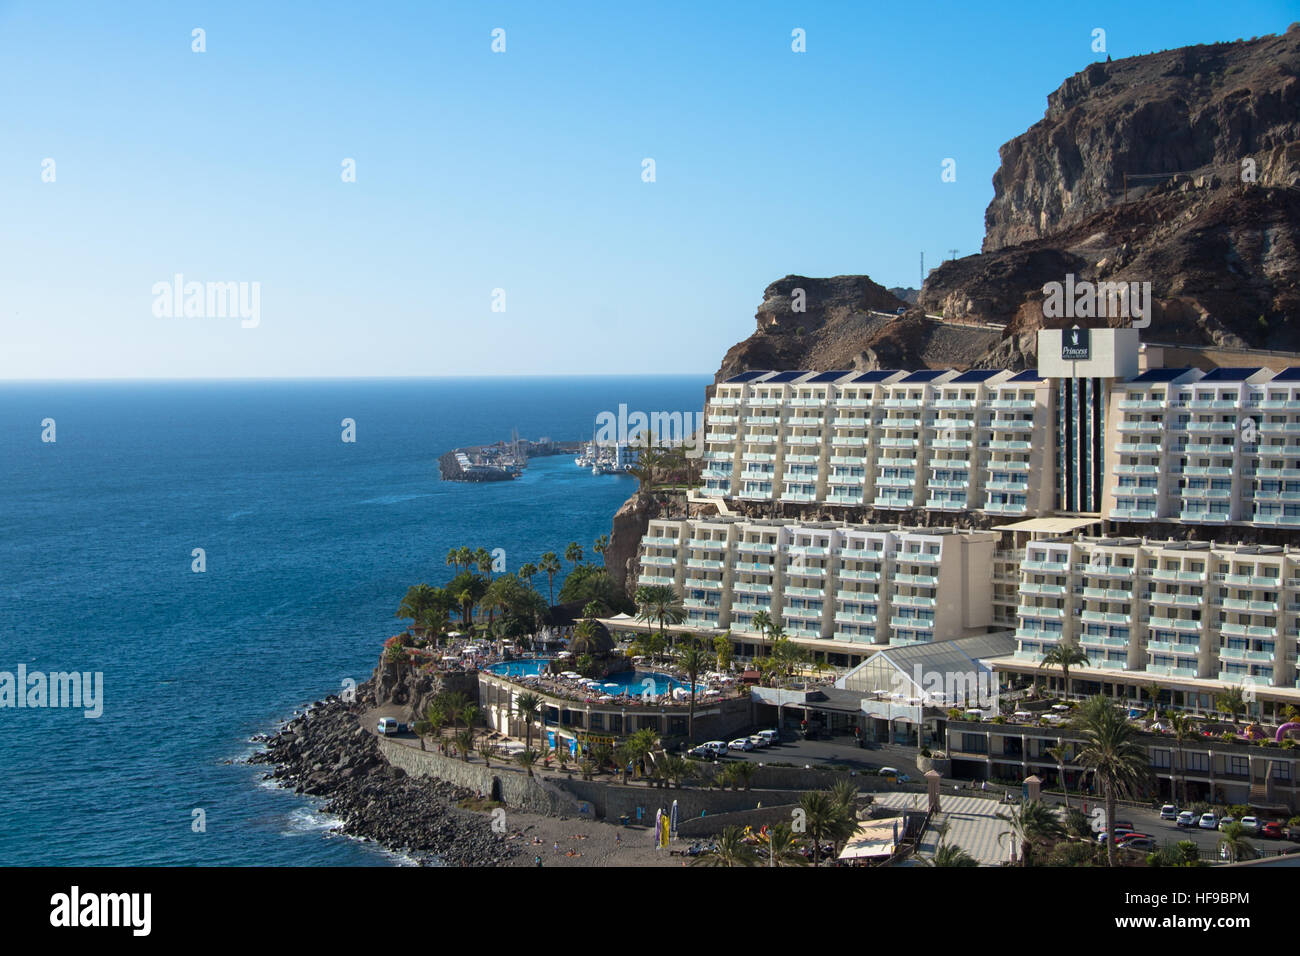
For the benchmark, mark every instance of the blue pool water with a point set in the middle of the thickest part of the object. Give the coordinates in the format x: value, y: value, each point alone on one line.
x: 310, y: 544
x: 629, y: 682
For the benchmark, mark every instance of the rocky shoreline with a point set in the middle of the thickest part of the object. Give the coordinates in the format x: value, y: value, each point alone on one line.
x: 325, y: 753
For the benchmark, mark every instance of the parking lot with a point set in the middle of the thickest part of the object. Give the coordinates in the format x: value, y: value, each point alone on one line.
x: 843, y: 751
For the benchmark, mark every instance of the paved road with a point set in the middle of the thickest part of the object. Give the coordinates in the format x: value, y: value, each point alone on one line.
x: 843, y: 750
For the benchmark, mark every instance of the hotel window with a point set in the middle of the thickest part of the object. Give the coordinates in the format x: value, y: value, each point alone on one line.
x: 1160, y: 759
x: 1238, y: 766
x: 1198, y: 762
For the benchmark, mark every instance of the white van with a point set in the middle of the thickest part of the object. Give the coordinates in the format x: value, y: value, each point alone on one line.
x: 771, y: 736
x: 388, y: 725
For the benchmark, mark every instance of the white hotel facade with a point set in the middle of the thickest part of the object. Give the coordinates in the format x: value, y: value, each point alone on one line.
x: 1085, y: 470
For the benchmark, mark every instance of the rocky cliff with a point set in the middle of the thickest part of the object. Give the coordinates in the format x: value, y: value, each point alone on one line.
x: 1179, y: 168
x: 1198, y: 111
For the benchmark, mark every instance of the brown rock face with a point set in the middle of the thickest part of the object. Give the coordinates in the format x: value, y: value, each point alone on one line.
x: 1197, y: 111
x: 631, y: 522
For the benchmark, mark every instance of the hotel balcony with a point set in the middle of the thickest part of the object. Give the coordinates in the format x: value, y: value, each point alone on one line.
x: 1171, y: 671
x: 655, y: 579
x: 1022, y: 486
x: 720, y: 436
x: 1214, y: 427
x: 1123, y: 469
x: 1279, y: 428
x: 1170, y: 599
x: 1277, y: 520
x: 751, y: 587
x: 1006, y: 464
x: 1176, y: 648
x: 912, y: 623
x: 911, y: 600
x: 698, y: 564
x: 1137, y: 404
x: 1236, y: 629
x: 758, y: 474
x: 915, y: 557
x: 1047, y: 567
x: 894, y: 501
x: 846, y: 497
x: 1010, y: 425
x: 954, y: 444
x: 951, y: 424
x: 1243, y: 656
x: 1096, y: 640
x: 1174, y: 624
x: 902, y: 403
x: 1251, y: 607
x: 1204, y: 517
x: 1000, y: 445
x: 958, y: 404
x: 855, y: 574
x: 854, y: 617
x: 1140, y: 427
x: 1098, y: 617
x: 659, y: 561
x: 1105, y: 570
x: 1046, y: 590
x: 917, y: 580
x: 755, y: 547
x: 756, y: 492
x: 1139, y: 448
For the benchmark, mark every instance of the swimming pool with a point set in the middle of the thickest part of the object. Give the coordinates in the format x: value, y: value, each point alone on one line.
x: 635, y: 683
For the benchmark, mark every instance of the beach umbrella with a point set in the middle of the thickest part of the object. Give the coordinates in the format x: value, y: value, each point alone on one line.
x: 672, y: 829
x: 658, y: 816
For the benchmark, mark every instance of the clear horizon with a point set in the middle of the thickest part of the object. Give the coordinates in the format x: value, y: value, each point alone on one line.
x: 131, y: 160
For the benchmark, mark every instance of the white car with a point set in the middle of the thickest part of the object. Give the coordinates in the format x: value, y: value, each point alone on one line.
x: 1169, y: 812
x: 1225, y: 820
x: 758, y: 740
x: 771, y: 736
x: 388, y: 725
x: 1186, y: 819
x: 717, y: 746
x: 741, y: 743
x: 1250, y: 824
x: 1209, y: 821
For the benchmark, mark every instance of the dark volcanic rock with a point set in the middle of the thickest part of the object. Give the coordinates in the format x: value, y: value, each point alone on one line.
x: 324, y: 753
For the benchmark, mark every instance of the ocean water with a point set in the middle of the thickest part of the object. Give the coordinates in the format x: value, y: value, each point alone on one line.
x: 310, y: 543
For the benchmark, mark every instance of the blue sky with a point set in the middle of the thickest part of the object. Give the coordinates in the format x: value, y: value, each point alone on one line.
x: 519, y: 171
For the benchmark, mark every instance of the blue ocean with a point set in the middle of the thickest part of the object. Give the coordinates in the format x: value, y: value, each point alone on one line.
x: 309, y: 543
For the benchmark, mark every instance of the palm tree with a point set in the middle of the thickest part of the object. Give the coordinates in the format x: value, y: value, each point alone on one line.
x: 1035, y: 825
x: 454, y: 705
x: 464, y: 557
x: 722, y: 651
x: 624, y: 755
x: 659, y: 602
x: 825, y: 819
x: 527, y: 572
x: 693, y: 660
x: 1112, y: 752
x: 573, y: 553
x: 1181, y: 724
x: 845, y: 793
x: 641, y: 744
x: 418, y: 600
x: 762, y: 623
x: 730, y: 850
x: 779, y: 846
x: 1231, y: 701
x: 601, y: 545
x: 1235, y: 842
x: 529, y: 706
x: 1153, y: 691
x: 1064, y: 656
x: 527, y: 759
x: 483, y: 561
x: 742, y: 774
x: 948, y: 854
x: 550, y: 566
x: 453, y: 558
x: 1061, y: 754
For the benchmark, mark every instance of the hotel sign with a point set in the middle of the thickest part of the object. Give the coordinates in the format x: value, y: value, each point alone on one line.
x: 1074, y: 345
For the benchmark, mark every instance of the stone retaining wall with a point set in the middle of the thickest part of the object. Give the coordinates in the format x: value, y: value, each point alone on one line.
x: 514, y: 788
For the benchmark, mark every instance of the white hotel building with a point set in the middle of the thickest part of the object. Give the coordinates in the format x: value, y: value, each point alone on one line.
x: 843, y: 590
x: 1100, y: 438
x: 940, y: 441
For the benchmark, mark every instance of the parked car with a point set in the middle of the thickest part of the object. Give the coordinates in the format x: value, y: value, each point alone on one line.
x: 1186, y: 819
x: 1169, y: 812
x: 741, y: 743
x: 771, y: 736
x: 717, y: 746
x: 1273, y: 831
x: 1209, y: 821
x: 1120, y: 835
x: 1250, y: 824
x: 1225, y: 820
x: 1140, y: 844
x: 389, y: 725
x: 702, y: 752
x: 894, y: 773
x: 758, y: 740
